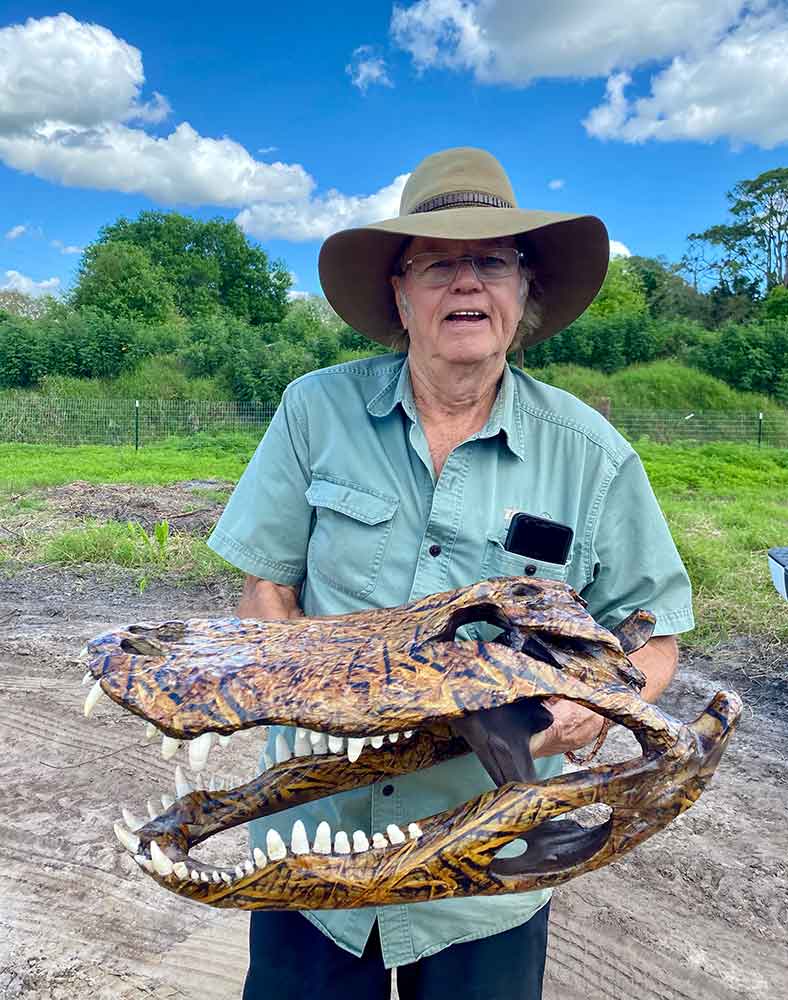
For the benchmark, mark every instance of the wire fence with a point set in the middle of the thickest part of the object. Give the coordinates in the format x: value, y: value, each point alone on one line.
x: 45, y: 420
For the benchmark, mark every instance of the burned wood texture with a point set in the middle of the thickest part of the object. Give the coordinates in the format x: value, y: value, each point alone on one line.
x: 385, y: 671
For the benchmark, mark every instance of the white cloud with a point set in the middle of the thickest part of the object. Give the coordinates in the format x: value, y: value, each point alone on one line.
x: 69, y: 95
x: 618, y: 249
x: 735, y: 90
x: 365, y: 69
x: 15, y: 232
x: 726, y: 73
x: 16, y: 282
x: 516, y: 41
x: 557, y: 184
x: 65, y: 248
x: 317, y: 217
x: 58, y: 68
x: 181, y: 167
x: 293, y: 295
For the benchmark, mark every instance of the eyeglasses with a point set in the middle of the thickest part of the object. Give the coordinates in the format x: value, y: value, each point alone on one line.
x: 436, y: 269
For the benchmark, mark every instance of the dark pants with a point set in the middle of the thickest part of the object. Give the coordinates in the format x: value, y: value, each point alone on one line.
x: 290, y: 957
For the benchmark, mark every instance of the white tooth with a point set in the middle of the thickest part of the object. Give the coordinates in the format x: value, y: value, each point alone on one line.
x: 167, y: 801
x: 336, y: 744
x: 83, y: 654
x: 393, y: 737
x: 205, y: 877
x: 129, y: 840
x: 341, y: 843
x: 239, y: 871
x: 150, y: 731
x: 214, y: 783
x: 282, y: 749
x: 377, y: 741
x: 131, y: 820
x: 315, y: 737
x: 146, y: 863
x: 378, y: 841
x: 88, y: 676
x: 322, y: 844
x: 153, y: 812
x: 275, y: 846
x: 226, y: 878
x: 161, y: 862
x: 267, y: 762
x: 320, y: 745
x: 93, y: 696
x: 182, y: 786
x: 260, y: 859
x: 216, y: 877
x: 180, y: 869
x: 248, y: 866
x: 414, y: 830
x: 169, y: 747
x: 195, y: 876
x: 199, y: 750
x: 354, y: 747
x: 302, y: 747
x: 298, y: 839
x: 224, y: 741
x: 360, y: 842
x: 408, y: 733
x: 396, y: 836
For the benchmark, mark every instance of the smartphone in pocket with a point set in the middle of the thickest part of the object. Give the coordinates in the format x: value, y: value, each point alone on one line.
x: 539, y: 538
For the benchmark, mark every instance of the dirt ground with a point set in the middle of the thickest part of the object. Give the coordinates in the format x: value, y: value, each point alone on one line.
x: 699, y: 912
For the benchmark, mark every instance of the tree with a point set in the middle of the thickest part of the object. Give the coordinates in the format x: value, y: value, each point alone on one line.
x: 621, y: 293
x: 668, y: 295
x: 754, y: 245
x: 14, y: 303
x: 119, y: 279
x: 210, y: 266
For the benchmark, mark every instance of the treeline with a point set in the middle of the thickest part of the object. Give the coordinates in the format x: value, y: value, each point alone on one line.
x: 647, y: 312
x: 166, y: 293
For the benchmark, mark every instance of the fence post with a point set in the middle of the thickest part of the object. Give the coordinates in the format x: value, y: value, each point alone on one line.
x: 760, y: 429
x: 136, y: 425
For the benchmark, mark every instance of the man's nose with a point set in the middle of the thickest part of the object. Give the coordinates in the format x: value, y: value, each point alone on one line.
x: 466, y: 278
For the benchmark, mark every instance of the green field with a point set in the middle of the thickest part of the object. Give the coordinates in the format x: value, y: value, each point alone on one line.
x: 726, y: 505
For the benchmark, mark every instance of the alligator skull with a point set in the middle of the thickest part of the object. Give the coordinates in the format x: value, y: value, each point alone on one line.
x: 368, y: 676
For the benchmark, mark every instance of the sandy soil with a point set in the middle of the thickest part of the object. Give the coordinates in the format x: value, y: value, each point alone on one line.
x: 700, y: 912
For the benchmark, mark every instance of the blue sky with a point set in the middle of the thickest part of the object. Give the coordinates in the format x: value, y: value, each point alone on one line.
x: 302, y: 119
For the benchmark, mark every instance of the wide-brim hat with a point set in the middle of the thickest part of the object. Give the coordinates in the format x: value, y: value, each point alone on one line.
x: 464, y: 194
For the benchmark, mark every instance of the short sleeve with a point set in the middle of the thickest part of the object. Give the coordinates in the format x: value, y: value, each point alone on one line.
x: 635, y: 561
x: 264, y: 529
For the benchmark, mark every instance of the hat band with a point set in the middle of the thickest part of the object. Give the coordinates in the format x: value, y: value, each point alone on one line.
x: 461, y: 199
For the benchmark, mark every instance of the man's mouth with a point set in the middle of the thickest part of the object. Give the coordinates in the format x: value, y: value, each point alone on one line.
x: 467, y: 316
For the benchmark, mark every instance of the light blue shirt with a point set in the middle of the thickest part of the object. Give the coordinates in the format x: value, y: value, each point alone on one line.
x: 341, y: 499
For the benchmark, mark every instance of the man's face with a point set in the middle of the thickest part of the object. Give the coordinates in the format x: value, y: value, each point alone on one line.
x: 437, y: 318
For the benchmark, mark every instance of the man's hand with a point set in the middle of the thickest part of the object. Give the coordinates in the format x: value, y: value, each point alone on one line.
x: 267, y: 601
x: 575, y: 726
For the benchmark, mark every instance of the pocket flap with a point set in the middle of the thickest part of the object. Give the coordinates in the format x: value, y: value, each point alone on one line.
x: 354, y: 501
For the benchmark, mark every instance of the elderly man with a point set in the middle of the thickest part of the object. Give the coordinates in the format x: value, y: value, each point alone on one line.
x: 383, y: 480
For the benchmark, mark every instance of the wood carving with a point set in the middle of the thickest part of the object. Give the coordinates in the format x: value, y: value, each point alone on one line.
x: 367, y: 676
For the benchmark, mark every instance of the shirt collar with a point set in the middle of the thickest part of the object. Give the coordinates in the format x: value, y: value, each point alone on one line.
x: 505, y: 417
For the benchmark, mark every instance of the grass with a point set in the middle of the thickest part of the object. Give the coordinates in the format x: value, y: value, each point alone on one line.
x: 726, y: 505
x: 221, y: 456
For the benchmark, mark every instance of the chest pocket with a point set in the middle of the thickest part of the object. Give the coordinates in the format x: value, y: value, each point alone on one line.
x: 499, y: 562
x: 350, y: 534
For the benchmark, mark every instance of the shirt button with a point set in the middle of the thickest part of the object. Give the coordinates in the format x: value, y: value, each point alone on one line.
x: 388, y: 789
x: 530, y: 569
x: 435, y: 550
